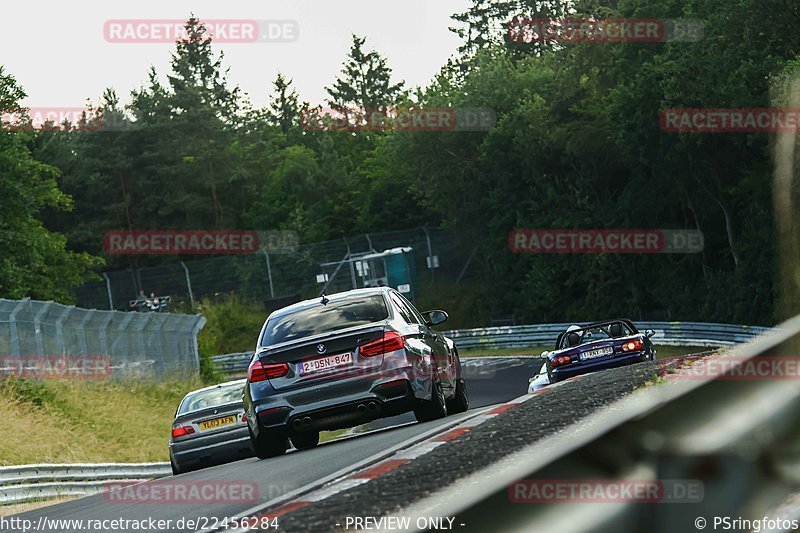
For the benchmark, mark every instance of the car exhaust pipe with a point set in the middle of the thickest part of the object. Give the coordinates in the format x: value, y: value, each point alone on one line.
x: 362, y: 408
x: 297, y: 423
x: 307, y: 421
x: 373, y: 407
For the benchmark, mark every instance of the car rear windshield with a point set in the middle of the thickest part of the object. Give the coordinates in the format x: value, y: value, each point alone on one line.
x: 212, y: 398
x: 318, y: 318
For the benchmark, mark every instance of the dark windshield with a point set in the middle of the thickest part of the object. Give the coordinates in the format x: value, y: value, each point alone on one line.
x: 318, y: 318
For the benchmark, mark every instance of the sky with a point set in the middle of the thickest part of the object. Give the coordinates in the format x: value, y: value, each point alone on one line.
x: 61, y: 52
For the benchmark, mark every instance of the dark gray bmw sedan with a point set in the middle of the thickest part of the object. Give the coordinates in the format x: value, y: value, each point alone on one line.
x: 342, y: 360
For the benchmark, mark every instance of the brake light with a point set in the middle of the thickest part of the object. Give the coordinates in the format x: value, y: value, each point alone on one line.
x: 390, y: 342
x: 259, y: 371
x: 561, y: 360
x: 633, y: 345
x: 182, y: 431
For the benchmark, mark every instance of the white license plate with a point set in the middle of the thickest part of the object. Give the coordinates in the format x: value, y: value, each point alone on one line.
x: 600, y: 352
x: 325, y: 363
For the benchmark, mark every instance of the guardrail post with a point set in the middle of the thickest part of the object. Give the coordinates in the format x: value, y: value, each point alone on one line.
x: 201, y: 321
x: 119, y: 335
x: 37, y: 327
x: 430, y: 251
x: 188, y: 284
x: 12, y: 323
x: 60, y: 327
x: 82, y: 332
x: 104, y: 334
x: 269, y: 273
x: 108, y: 288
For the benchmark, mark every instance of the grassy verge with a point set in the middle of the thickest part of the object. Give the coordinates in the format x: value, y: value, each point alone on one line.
x: 55, y: 421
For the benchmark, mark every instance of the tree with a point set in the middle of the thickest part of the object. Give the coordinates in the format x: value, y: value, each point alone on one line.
x: 34, y: 261
x: 365, y: 82
x: 488, y: 23
x: 283, y: 108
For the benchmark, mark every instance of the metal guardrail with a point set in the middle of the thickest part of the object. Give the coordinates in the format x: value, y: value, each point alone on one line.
x: 702, y: 334
x: 29, y: 482
x: 738, y: 437
x: 233, y: 363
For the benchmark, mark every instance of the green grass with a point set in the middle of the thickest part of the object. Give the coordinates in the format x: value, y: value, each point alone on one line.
x: 62, y: 421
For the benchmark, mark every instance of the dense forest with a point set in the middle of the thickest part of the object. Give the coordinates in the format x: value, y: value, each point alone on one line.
x: 577, y: 144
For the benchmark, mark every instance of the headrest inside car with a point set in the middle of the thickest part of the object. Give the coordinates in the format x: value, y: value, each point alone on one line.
x: 573, y: 339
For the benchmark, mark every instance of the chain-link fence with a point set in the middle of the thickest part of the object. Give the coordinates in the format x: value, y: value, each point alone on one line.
x: 44, y: 338
x: 332, y: 266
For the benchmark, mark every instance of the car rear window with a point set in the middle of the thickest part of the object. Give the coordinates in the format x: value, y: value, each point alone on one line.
x: 318, y: 318
x: 212, y: 398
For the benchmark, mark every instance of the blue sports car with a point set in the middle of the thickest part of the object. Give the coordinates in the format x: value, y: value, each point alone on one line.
x: 592, y: 347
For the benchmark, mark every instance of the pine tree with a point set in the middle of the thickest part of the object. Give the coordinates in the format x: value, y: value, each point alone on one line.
x: 283, y: 106
x: 365, y: 82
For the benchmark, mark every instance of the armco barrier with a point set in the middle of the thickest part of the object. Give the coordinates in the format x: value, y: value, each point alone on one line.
x: 28, y: 482
x: 666, y: 333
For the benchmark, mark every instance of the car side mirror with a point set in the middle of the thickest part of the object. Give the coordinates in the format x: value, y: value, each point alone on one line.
x: 435, y: 317
x: 649, y: 333
x: 544, y: 355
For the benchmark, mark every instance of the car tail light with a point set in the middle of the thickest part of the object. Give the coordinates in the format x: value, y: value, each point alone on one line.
x: 633, y: 345
x: 561, y: 360
x: 390, y: 342
x: 182, y: 431
x: 259, y: 371
x: 244, y: 417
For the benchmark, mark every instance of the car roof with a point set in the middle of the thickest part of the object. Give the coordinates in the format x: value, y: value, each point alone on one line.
x: 218, y: 386
x: 369, y: 291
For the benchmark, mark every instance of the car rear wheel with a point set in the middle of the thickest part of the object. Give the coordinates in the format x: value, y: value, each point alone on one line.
x: 459, y: 403
x: 175, y: 468
x: 266, y: 445
x: 305, y: 440
x: 434, y: 408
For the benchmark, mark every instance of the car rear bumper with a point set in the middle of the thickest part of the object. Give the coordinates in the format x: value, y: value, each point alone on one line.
x: 566, y: 372
x: 212, y: 449
x: 339, y: 403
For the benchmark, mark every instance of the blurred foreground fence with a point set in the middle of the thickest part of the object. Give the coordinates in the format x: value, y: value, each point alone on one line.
x: 46, y: 339
x: 666, y: 333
